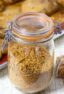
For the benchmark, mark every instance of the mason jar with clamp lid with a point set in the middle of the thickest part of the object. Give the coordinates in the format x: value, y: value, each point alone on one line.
x: 31, y: 52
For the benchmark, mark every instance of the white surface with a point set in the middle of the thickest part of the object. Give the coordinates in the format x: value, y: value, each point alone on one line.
x: 57, y: 87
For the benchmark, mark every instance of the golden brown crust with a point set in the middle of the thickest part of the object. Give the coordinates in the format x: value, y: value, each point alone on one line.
x: 1, y: 42
x: 44, y: 6
x: 7, y: 15
x: 2, y: 34
x: 60, y: 67
x: 61, y: 2
x: 2, y: 6
x: 12, y: 11
x: 58, y: 17
x: 2, y: 20
x: 50, y: 6
x: 11, y: 1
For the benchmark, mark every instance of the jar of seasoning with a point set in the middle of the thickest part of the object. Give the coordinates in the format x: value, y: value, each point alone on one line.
x: 31, y: 52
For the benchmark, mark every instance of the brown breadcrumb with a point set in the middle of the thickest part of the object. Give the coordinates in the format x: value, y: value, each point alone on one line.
x: 28, y: 64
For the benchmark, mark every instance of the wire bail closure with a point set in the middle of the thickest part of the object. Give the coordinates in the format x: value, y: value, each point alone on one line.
x: 7, y: 36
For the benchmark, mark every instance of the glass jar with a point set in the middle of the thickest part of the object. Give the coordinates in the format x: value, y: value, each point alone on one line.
x: 31, y: 52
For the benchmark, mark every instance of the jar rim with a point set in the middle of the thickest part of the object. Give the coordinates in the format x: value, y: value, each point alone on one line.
x: 41, y: 33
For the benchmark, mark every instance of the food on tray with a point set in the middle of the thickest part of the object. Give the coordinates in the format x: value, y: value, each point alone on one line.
x: 3, y: 54
x: 2, y: 20
x: 11, y: 1
x: 31, y: 5
x: 0, y: 53
x: 58, y: 17
x: 60, y: 67
x: 62, y: 25
x: 1, y: 42
x: 2, y: 6
x: 61, y: 2
x: 50, y: 6
x: 2, y: 34
x: 46, y: 6
x: 11, y: 12
x: 5, y: 17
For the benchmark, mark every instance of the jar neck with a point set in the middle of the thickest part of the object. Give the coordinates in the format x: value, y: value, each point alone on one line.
x: 20, y: 40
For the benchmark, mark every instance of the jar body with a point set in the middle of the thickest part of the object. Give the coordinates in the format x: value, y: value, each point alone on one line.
x: 30, y: 66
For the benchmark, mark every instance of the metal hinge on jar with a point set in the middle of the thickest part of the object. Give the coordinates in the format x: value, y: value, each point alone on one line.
x: 7, y: 36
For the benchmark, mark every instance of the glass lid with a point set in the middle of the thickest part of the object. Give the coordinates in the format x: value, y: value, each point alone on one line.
x: 32, y: 25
